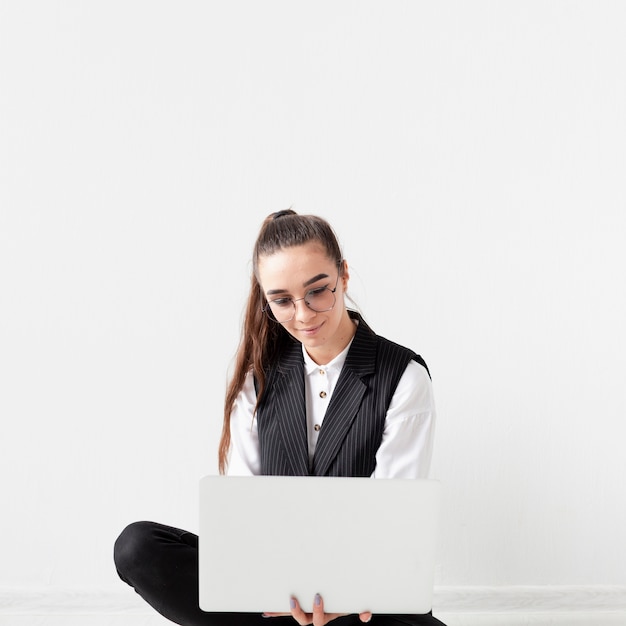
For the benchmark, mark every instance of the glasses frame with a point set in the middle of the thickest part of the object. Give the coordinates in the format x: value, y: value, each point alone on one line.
x: 268, y: 311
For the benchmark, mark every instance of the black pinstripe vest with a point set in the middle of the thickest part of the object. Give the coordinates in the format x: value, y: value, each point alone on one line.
x: 353, y: 425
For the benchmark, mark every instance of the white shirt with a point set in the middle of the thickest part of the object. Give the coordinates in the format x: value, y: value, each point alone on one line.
x: 407, y: 443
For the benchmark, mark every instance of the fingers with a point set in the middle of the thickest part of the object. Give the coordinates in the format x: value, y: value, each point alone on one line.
x: 298, y: 614
x: 318, y: 611
x: 318, y: 617
x: 366, y: 616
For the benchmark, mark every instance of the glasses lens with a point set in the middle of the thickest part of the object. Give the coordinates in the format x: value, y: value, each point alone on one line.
x: 319, y: 300
x: 281, y: 310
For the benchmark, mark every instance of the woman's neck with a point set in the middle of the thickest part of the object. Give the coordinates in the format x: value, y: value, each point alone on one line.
x: 344, y: 335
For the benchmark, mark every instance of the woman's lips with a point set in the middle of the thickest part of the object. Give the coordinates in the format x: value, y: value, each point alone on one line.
x: 310, y: 331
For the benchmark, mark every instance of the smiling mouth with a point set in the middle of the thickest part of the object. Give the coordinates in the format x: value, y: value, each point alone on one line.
x: 310, y: 330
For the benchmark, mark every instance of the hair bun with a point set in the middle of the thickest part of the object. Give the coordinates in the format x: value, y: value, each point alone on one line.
x: 278, y: 214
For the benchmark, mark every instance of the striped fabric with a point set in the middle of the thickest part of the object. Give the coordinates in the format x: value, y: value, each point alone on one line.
x: 353, y: 425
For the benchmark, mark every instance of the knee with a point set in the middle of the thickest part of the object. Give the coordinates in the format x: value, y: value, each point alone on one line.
x: 131, y: 548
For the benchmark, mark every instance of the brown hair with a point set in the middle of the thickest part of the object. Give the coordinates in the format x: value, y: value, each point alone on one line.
x: 262, y: 340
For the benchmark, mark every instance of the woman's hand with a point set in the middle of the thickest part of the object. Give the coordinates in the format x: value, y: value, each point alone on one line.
x: 318, y: 617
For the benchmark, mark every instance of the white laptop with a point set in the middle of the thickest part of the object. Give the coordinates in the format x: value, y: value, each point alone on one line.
x: 364, y: 544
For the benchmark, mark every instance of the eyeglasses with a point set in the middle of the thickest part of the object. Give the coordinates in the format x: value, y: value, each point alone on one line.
x: 319, y: 300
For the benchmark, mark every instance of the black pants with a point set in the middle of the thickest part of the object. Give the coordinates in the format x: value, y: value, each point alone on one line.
x: 161, y: 563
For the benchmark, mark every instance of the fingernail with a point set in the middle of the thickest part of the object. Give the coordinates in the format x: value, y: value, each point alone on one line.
x: 292, y: 603
x: 318, y: 599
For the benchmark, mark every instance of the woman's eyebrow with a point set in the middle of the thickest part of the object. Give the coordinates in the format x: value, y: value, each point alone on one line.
x: 273, y: 292
x: 314, y: 279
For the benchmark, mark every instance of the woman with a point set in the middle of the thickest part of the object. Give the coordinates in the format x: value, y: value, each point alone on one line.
x: 301, y: 348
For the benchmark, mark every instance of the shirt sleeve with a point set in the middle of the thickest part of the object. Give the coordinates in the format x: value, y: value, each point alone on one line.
x: 407, y: 444
x: 244, y: 457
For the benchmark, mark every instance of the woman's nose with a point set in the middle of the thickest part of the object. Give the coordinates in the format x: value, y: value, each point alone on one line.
x: 303, y: 312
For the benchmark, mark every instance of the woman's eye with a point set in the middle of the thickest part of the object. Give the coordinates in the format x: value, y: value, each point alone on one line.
x: 316, y: 292
x: 281, y: 302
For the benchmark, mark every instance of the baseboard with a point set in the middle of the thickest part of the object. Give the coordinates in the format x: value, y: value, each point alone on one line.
x: 456, y: 606
x: 530, y: 599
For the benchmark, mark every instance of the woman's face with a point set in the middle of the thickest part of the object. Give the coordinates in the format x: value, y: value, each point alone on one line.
x: 299, y: 271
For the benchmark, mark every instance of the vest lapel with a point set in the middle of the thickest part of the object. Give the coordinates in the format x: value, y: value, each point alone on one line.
x: 346, y: 399
x: 290, y: 410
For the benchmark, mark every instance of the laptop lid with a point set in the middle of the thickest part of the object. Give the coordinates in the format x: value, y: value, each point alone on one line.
x: 364, y: 544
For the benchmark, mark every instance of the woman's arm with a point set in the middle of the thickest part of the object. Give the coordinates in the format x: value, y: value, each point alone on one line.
x: 244, y: 459
x: 407, y: 444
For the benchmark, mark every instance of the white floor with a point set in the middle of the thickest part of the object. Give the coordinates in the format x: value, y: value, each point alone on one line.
x: 479, y: 606
x: 450, y: 619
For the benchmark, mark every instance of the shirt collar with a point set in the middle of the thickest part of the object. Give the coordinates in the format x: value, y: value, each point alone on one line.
x: 310, y: 366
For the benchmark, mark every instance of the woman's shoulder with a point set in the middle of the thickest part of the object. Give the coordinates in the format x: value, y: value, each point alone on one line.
x: 392, y: 350
x: 387, y: 351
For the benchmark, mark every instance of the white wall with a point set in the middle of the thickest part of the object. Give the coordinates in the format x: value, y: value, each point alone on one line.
x: 472, y: 157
